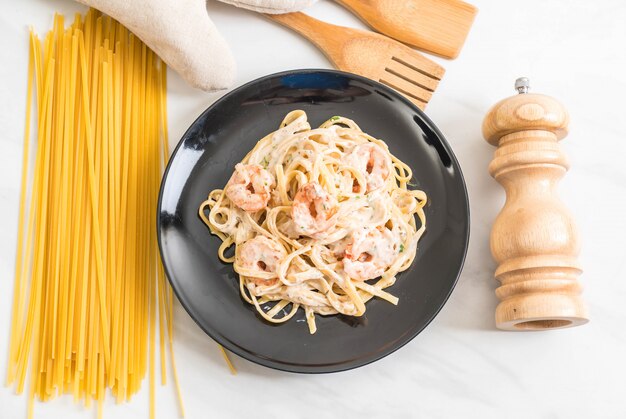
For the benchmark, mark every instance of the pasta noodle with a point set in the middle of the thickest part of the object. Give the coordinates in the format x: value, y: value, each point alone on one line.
x: 321, y: 219
x: 89, y: 285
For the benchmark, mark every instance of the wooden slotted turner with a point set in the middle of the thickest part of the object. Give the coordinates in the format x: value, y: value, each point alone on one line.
x: 436, y: 26
x: 370, y: 55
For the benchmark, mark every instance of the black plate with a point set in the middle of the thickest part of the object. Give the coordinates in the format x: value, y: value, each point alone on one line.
x: 204, y: 160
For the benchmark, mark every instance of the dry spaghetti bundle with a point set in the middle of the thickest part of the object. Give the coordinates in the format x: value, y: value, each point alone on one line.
x: 89, y: 286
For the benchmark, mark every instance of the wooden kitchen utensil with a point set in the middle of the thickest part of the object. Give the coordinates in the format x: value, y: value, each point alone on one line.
x: 436, y: 26
x: 370, y: 55
x: 534, y: 239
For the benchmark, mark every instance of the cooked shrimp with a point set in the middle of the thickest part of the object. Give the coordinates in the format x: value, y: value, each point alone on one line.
x: 250, y: 187
x: 369, y: 252
x: 313, y: 210
x: 373, y: 162
x: 261, y: 254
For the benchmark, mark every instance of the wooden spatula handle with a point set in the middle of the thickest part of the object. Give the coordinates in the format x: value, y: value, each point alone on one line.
x: 359, y: 7
x: 318, y: 32
x: 534, y: 238
x: 330, y: 39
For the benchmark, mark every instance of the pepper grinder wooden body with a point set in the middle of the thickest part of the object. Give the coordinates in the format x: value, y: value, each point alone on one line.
x: 534, y: 239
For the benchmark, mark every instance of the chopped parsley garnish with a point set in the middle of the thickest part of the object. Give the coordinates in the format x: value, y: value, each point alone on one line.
x: 265, y: 162
x: 334, y: 118
x: 401, y: 247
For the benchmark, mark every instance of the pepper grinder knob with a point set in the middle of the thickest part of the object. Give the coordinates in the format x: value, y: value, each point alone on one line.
x: 522, y: 85
x: 534, y: 239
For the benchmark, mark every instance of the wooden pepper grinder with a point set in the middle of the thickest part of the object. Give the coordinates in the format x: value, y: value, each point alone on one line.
x: 534, y: 239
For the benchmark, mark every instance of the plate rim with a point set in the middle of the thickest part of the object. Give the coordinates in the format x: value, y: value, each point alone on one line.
x: 287, y: 367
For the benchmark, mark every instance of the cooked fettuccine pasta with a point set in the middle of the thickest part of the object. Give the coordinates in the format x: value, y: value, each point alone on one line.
x: 320, y: 219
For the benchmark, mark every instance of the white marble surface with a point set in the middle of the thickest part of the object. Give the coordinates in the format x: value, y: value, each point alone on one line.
x: 460, y: 366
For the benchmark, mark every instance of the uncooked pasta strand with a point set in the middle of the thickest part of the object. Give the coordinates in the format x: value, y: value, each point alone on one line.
x: 89, y: 286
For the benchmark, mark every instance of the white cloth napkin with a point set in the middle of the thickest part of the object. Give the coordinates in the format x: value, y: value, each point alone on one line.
x: 183, y: 35
x: 271, y: 6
